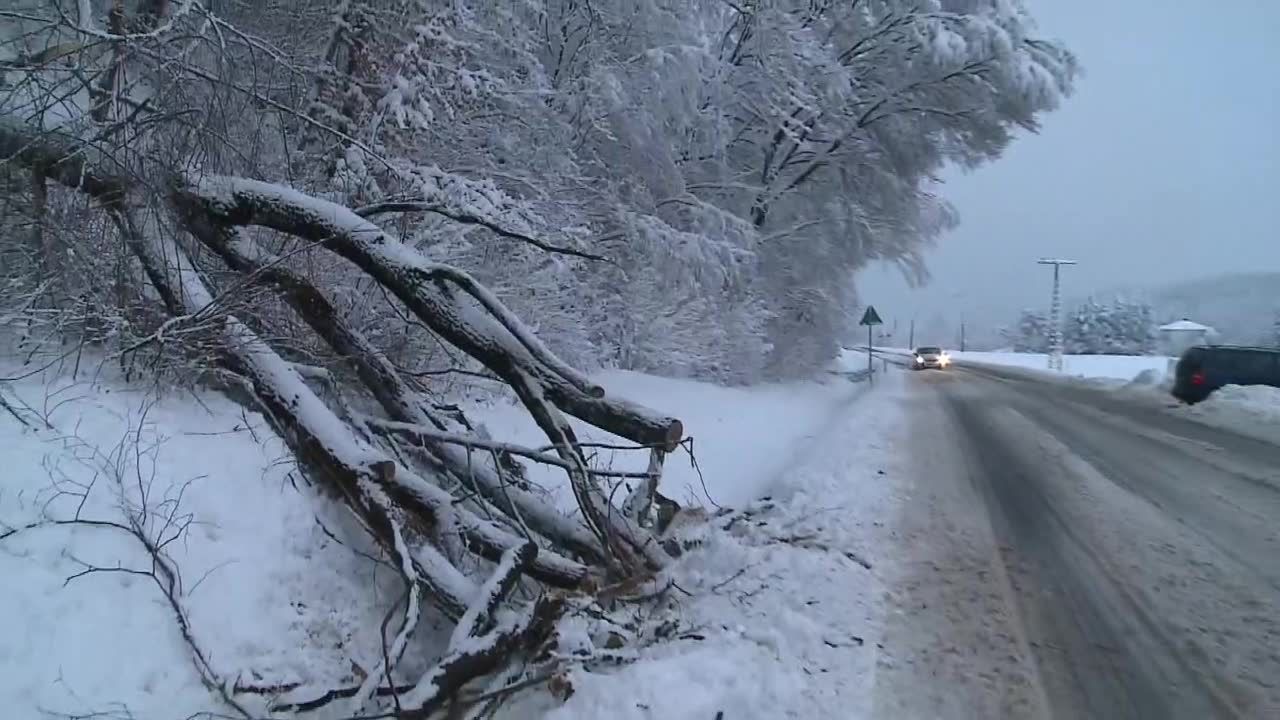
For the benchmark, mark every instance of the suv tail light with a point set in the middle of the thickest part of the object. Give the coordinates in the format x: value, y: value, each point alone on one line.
x: 1197, y: 378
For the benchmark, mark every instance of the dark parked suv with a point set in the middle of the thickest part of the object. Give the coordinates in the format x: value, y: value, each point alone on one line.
x: 1205, y: 368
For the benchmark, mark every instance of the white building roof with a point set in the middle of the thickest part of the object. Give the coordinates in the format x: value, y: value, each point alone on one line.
x: 1184, y: 325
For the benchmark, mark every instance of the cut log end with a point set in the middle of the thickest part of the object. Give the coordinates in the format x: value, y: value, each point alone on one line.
x: 675, y: 433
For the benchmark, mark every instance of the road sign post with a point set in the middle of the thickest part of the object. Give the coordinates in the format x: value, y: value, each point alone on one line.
x: 870, y: 318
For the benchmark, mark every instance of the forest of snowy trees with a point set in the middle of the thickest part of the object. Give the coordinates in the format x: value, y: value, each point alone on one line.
x: 1031, y: 334
x: 1121, y: 327
x: 703, y: 178
x: 331, y: 209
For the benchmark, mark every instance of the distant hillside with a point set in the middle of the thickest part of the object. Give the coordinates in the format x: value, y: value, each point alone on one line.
x: 1242, y: 307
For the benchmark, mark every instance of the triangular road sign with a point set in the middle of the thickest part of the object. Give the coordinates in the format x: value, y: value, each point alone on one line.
x: 871, y: 317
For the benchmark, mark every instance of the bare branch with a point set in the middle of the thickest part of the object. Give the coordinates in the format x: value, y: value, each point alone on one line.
x: 406, y: 206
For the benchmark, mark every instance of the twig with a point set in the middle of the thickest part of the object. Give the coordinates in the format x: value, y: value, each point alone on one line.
x: 731, y: 578
x: 807, y: 542
x: 339, y: 694
x: 687, y: 444
x: 13, y: 411
x: 153, y: 526
x: 419, y: 432
x: 410, y: 205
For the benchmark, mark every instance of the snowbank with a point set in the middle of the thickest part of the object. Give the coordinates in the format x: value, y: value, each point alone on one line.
x: 268, y: 592
x: 741, y: 436
x: 782, y: 615
x: 1111, y: 367
x: 779, y: 615
x: 1252, y: 410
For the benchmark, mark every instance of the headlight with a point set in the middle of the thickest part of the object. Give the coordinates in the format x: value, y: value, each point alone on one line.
x: 919, y: 360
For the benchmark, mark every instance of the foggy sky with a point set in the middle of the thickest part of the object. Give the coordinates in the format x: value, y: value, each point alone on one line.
x: 1164, y: 165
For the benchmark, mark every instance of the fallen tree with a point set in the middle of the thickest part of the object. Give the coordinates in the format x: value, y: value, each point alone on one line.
x: 494, y: 337
x: 415, y: 476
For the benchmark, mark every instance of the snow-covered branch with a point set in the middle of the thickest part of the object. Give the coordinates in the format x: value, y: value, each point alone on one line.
x: 499, y: 340
x: 472, y: 656
x: 426, y: 435
x: 419, y: 206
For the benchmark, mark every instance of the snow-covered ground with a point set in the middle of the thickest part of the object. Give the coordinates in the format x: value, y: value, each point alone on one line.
x: 1112, y: 367
x: 1246, y: 405
x: 781, y: 615
x: 260, y: 578
x: 742, y: 437
x: 774, y: 615
x: 1089, y: 367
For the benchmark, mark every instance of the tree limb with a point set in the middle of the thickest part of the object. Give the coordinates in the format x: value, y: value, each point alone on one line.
x: 409, y: 205
x: 420, y: 285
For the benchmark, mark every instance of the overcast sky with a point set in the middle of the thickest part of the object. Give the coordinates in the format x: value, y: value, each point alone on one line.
x: 1165, y: 165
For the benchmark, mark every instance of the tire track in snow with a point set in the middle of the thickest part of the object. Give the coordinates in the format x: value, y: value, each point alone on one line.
x: 1138, y: 615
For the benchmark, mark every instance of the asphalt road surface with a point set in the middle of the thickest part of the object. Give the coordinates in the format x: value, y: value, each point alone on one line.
x: 1077, y: 555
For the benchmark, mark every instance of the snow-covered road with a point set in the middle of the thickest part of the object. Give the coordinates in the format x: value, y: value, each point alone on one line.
x: 1070, y: 553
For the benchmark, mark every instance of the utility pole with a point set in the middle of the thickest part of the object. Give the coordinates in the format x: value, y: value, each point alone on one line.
x: 911, y: 340
x: 1055, y: 312
x: 961, y: 336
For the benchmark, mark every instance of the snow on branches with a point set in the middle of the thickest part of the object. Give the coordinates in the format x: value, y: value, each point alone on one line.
x: 537, y: 187
x: 404, y: 505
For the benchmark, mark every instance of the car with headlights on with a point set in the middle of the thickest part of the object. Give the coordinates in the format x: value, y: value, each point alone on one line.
x: 930, y: 357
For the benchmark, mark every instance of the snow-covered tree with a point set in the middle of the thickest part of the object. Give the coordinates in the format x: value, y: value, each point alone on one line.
x: 1135, y: 328
x: 840, y: 161
x: 732, y: 163
x: 254, y: 283
x: 1031, y: 334
x: 1119, y: 328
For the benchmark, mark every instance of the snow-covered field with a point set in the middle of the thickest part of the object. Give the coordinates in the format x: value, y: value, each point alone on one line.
x: 773, y: 614
x: 1091, y: 367
x: 1112, y: 367
x: 784, y: 612
x: 259, y: 576
x: 742, y: 437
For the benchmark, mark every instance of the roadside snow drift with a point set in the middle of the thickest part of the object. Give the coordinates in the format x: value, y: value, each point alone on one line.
x: 1252, y: 410
x: 271, y: 596
x: 1113, y: 367
x: 779, y: 611
x: 742, y: 436
x: 774, y: 613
